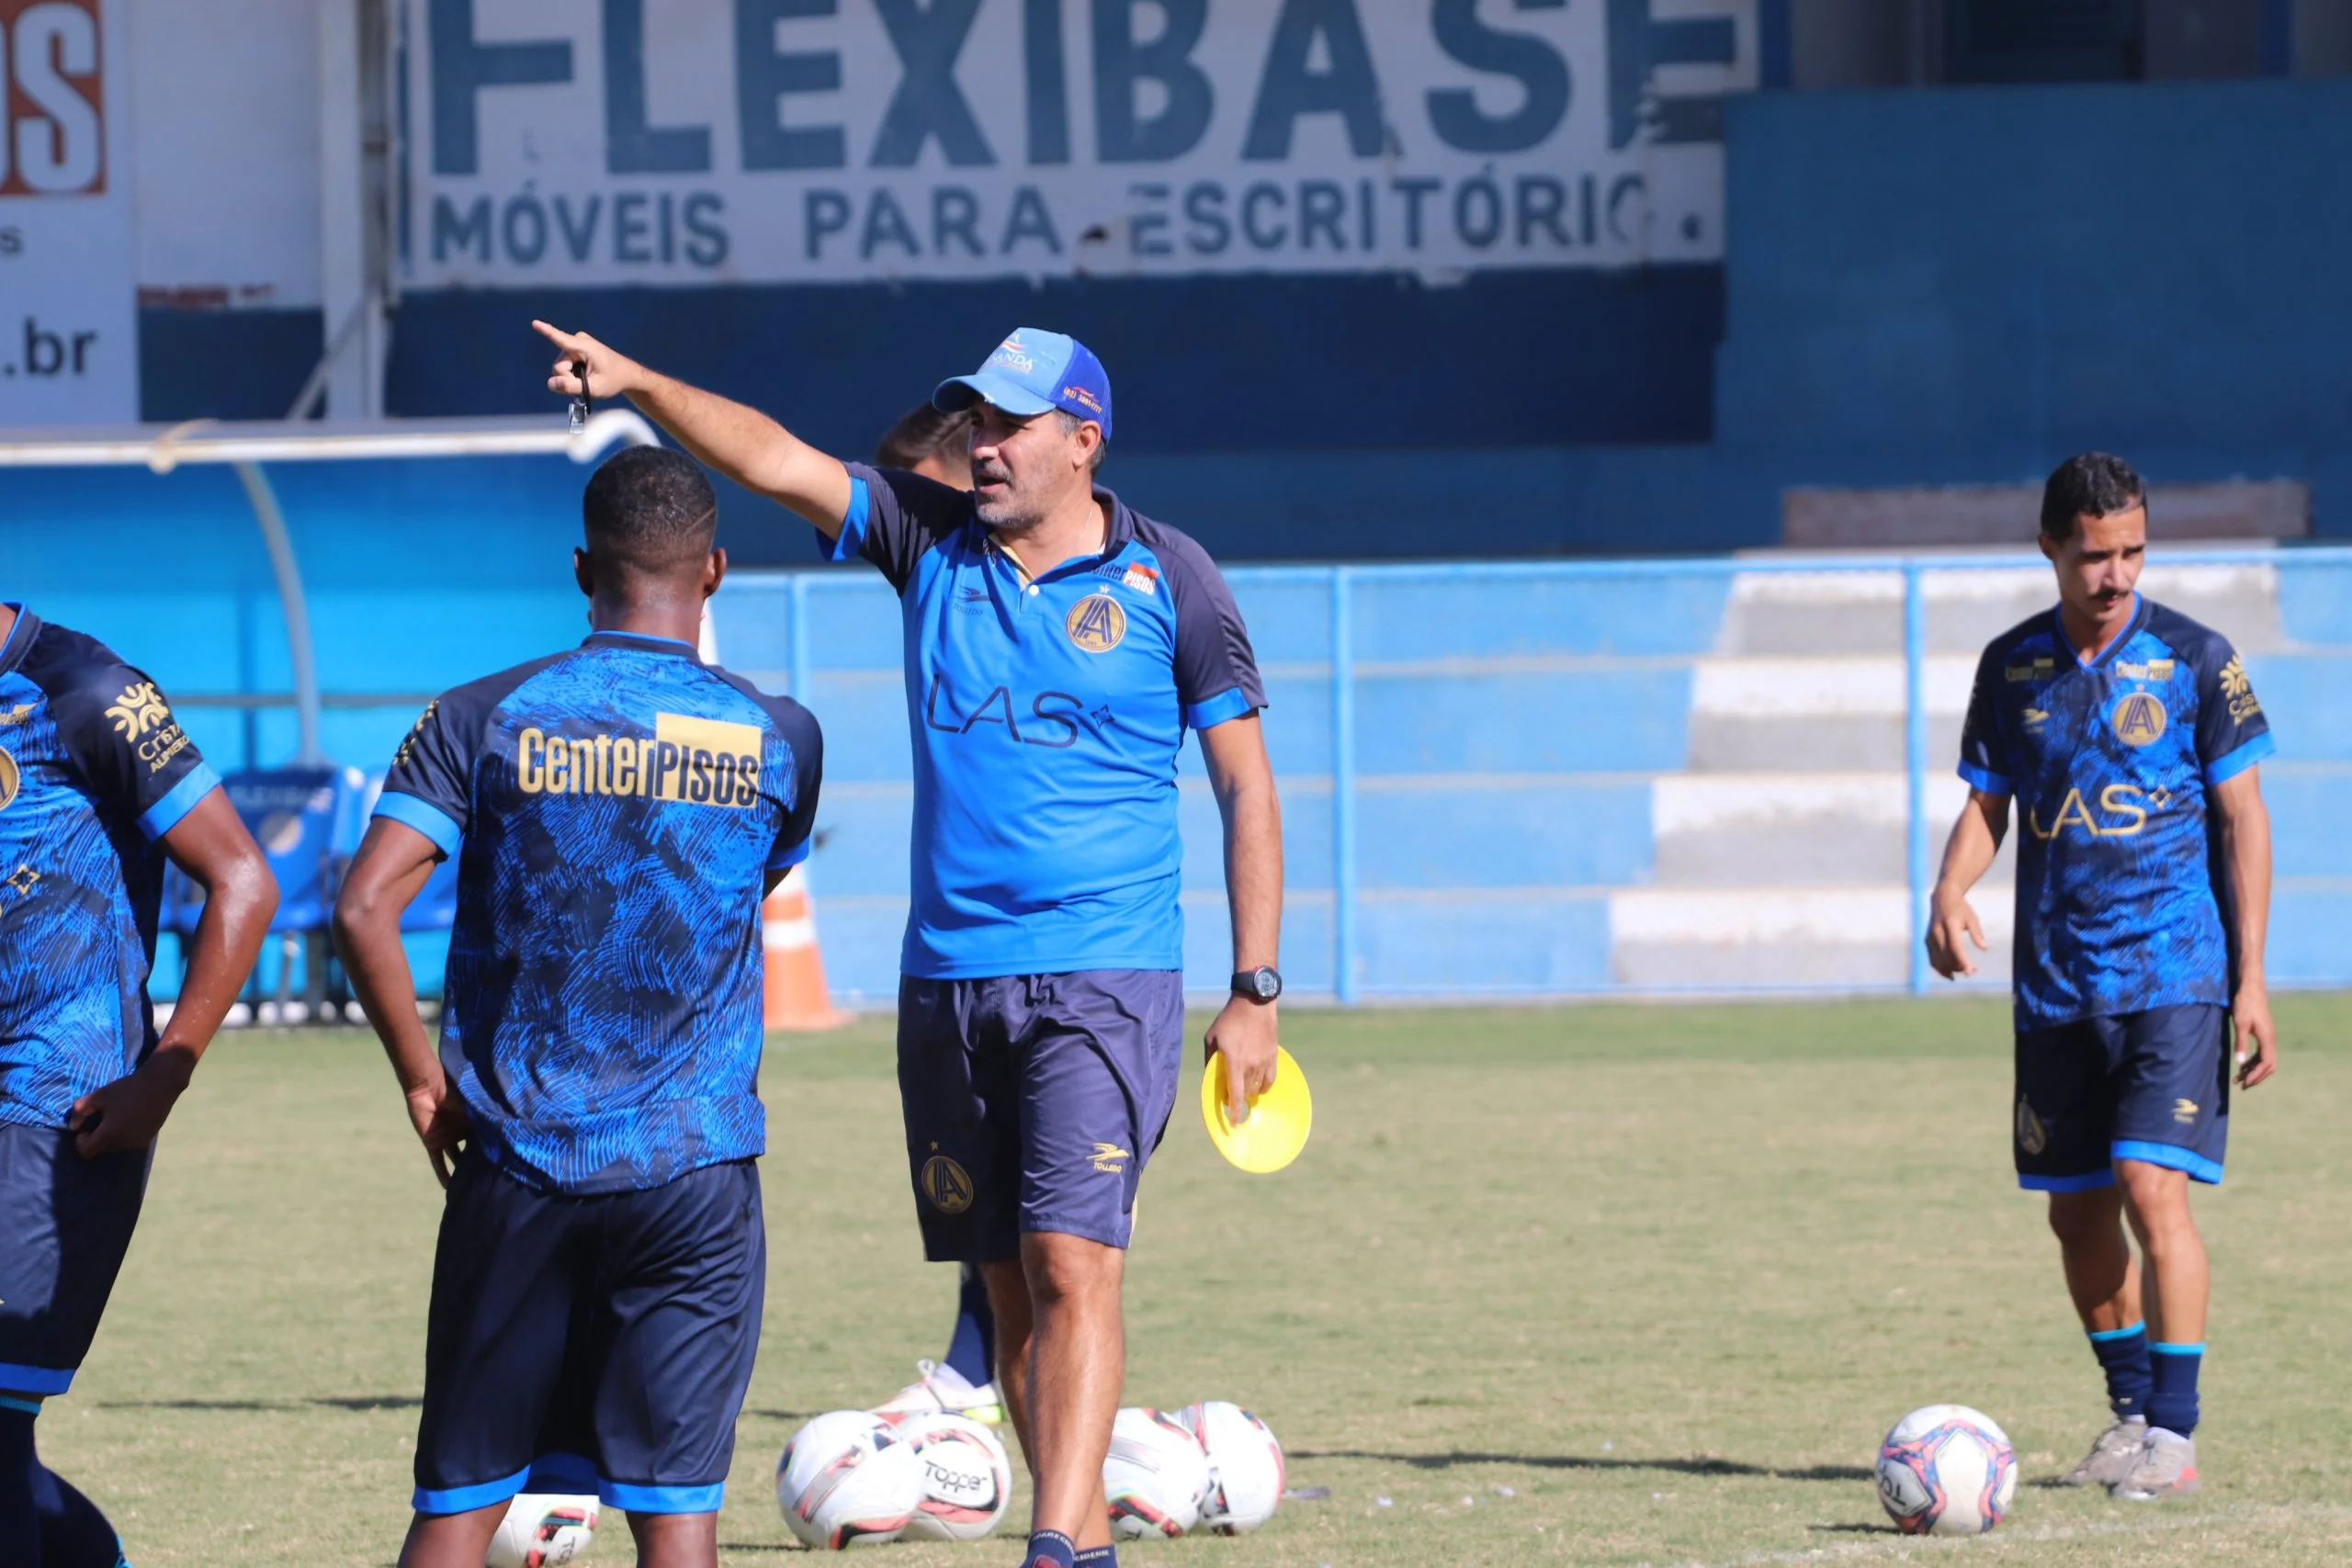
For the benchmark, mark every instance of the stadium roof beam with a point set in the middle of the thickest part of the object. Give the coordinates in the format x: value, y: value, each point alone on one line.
x: 248, y: 444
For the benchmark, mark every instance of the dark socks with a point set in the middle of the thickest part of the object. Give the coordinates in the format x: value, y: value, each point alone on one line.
x: 972, y: 1351
x: 2172, y: 1405
x: 1050, y: 1549
x: 2123, y: 1354
x: 43, y: 1519
x: 1099, y: 1557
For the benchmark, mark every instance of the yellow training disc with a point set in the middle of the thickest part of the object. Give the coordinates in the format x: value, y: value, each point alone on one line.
x: 1279, y: 1119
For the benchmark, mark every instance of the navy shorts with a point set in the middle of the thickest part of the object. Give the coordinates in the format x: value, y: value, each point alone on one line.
x: 1033, y: 1102
x: 65, y: 1222
x: 2150, y: 1086
x: 609, y: 1335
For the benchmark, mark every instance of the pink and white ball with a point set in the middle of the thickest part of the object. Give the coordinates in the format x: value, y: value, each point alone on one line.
x: 543, y: 1530
x: 1155, y: 1477
x: 1946, y: 1470
x: 1245, y: 1466
x: 966, y: 1477
x: 848, y: 1478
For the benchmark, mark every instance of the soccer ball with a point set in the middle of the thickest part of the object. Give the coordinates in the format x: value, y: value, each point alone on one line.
x: 1946, y: 1470
x: 1245, y: 1466
x: 967, y: 1479
x: 541, y: 1531
x: 1155, y: 1477
x: 848, y: 1479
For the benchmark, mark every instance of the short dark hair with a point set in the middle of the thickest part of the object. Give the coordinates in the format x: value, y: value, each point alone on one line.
x: 923, y: 432
x: 1070, y: 423
x: 2088, y: 484
x: 649, y: 510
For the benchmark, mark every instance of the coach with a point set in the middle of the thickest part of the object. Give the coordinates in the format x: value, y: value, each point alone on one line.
x: 1058, y: 646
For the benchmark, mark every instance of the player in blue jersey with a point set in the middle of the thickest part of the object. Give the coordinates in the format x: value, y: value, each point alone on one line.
x: 98, y: 786
x: 2129, y: 738
x: 617, y: 812
x: 1058, y: 648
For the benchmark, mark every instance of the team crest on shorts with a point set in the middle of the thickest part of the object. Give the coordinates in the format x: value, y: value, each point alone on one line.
x: 2139, y: 719
x: 10, y: 776
x: 1096, y: 623
x: 2032, y: 1137
x: 945, y: 1184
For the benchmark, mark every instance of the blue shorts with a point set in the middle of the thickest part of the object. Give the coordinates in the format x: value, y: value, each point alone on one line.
x: 2150, y: 1086
x: 608, y: 1337
x: 1033, y: 1102
x: 65, y: 1222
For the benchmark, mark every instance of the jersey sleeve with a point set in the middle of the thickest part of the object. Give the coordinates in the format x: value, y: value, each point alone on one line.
x: 2232, y: 733
x: 118, y: 728
x: 430, y: 787
x: 797, y: 829
x: 1217, y: 670
x: 1983, y: 762
x: 894, y: 517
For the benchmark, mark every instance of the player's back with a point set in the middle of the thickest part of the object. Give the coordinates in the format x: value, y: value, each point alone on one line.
x: 616, y: 811
x: 93, y: 769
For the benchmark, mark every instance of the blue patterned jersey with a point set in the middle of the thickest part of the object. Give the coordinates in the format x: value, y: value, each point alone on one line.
x: 1046, y: 716
x: 2120, y: 897
x: 93, y: 769
x: 615, y: 811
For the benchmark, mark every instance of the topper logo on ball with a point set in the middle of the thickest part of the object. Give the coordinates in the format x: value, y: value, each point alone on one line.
x: 52, y: 141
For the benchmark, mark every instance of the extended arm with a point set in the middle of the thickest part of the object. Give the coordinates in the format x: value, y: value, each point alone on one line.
x: 1247, y: 1031
x: 212, y: 847
x: 741, y: 443
x: 1968, y: 854
x: 393, y: 862
x: 2245, y: 860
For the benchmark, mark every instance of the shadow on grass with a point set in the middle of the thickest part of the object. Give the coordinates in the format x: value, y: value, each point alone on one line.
x: 1591, y: 1461
x: 1855, y: 1529
x: 334, y: 1402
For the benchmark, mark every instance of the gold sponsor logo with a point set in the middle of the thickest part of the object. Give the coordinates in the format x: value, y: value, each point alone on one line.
x: 140, y: 709
x: 2124, y: 813
x: 946, y: 1186
x: 2036, y: 718
x: 2040, y: 670
x: 2032, y: 1137
x: 1110, y: 1157
x: 697, y: 761
x: 2238, y: 690
x: 1096, y: 623
x: 2160, y: 668
x: 2139, y: 719
x: 408, y: 744
x: 16, y: 715
x: 10, y: 777
x: 2184, y: 1111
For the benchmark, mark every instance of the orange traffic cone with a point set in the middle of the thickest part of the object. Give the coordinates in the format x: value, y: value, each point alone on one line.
x: 793, y: 994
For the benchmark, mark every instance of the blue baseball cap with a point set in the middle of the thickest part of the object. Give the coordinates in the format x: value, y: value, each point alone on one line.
x: 1032, y: 372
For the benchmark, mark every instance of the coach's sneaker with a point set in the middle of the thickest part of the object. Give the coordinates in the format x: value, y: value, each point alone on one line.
x: 945, y: 1388
x: 2167, y: 1468
x: 2112, y: 1457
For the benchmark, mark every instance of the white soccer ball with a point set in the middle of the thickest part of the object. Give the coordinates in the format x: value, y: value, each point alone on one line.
x: 543, y: 1530
x: 848, y: 1478
x: 1155, y: 1477
x: 1946, y: 1470
x: 1245, y: 1466
x: 967, y: 1479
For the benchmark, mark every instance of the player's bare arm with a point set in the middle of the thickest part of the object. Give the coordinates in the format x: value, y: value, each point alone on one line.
x: 1968, y: 856
x: 1247, y: 1031
x: 212, y: 847
x: 740, y: 442
x: 2246, y: 861
x: 392, y: 867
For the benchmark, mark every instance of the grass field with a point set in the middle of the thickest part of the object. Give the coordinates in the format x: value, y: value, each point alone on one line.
x: 1604, y: 1285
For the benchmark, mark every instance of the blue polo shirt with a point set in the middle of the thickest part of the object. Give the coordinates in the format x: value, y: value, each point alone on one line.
x: 1046, y: 716
x: 2121, y: 900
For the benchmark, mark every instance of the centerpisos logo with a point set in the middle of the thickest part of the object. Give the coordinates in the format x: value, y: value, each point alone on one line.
x: 703, y: 761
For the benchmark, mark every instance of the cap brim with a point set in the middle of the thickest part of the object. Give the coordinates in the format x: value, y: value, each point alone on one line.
x: 959, y: 392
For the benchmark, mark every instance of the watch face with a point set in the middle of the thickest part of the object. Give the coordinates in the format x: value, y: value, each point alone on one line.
x: 1267, y: 984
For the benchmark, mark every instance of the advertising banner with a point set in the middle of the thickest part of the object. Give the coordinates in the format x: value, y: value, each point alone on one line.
x: 69, y: 344
x: 697, y: 141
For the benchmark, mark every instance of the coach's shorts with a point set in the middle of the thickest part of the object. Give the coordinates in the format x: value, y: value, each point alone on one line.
x: 65, y: 1222
x: 2150, y: 1086
x: 1033, y: 1102
x: 610, y: 1335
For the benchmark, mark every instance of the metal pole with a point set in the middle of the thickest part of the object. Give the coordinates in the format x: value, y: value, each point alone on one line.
x: 298, y: 611
x: 1343, y: 784
x: 1915, y: 764
x: 803, y: 678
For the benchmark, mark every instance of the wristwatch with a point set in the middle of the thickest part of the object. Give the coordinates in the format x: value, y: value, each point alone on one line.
x: 1262, y: 984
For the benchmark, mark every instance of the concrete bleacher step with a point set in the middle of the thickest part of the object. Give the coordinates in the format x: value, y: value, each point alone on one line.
x: 1839, y: 714
x: 1779, y: 938
x: 1796, y: 829
x: 1827, y: 613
